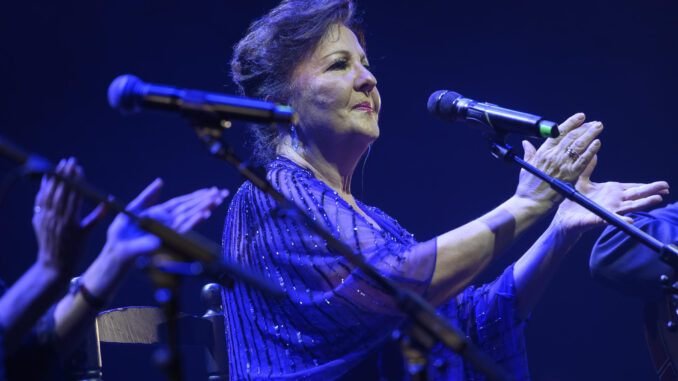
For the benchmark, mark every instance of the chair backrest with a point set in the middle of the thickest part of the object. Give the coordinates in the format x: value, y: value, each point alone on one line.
x: 146, y: 326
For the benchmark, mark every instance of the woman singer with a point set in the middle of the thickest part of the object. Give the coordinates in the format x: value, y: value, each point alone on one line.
x: 311, y: 56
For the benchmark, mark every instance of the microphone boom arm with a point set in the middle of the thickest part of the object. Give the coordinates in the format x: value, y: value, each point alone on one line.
x: 668, y: 253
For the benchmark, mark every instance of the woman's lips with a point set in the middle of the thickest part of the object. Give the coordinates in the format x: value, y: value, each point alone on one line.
x: 364, y: 106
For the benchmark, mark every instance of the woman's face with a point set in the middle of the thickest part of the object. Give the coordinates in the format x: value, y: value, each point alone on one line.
x: 334, y: 92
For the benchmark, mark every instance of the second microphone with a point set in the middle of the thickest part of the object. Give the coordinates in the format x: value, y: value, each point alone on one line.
x: 450, y: 106
x: 129, y: 94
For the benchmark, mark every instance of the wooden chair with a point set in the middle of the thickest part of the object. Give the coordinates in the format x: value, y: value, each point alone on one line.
x: 146, y: 326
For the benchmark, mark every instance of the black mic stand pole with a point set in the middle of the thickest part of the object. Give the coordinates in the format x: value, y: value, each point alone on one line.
x: 420, y: 311
x: 668, y: 253
x: 164, y: 273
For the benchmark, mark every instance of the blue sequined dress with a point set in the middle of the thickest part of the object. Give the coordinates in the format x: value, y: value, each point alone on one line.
x: 333, y: 316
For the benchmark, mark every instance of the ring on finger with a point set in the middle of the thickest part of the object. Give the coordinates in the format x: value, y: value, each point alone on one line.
x: 572, y: 153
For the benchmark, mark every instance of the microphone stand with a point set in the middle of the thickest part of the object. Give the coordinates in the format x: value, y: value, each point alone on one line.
x: 164, y: 273
x: 668, y: 253
x: 433, y: 327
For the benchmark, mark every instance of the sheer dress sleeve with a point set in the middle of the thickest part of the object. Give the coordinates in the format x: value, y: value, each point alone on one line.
x: 332, y: 315
x: 488, y: 316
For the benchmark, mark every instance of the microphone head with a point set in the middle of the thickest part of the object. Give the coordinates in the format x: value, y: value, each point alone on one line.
x: 123, y: 93
x: 441, y: 105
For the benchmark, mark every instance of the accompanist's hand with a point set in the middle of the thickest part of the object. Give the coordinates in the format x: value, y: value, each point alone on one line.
x: 620, y: 198
x: 564, y: 158
x: 56, y: 220
x: 126, y: 241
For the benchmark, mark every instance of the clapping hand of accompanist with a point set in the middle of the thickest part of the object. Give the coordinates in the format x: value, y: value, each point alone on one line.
x: 125, y: 242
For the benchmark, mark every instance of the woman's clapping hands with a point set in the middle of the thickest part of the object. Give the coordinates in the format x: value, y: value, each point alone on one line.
x: 564, y: 158
x: 620, y: 198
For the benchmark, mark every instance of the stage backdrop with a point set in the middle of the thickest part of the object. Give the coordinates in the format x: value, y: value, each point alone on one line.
x: 614, y: 60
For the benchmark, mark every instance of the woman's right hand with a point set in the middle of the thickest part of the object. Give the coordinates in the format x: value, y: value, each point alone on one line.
x: 564, y: 158
x: 616, y: 197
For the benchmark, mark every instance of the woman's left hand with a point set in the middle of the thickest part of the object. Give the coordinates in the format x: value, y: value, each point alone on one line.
x: 620, y: 198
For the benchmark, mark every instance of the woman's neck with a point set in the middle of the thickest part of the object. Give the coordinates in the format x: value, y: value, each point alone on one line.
x: 337, y: 174
x: 332, y: 167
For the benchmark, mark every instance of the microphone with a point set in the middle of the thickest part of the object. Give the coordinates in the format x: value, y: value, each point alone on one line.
x: 450, y: 106
x: 129, y: 95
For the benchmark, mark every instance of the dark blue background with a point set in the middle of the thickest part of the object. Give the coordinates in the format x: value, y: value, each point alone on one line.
x: 614, y: 60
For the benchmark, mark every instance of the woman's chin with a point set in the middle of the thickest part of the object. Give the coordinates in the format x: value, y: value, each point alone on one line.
x: 369, y: 133
x: 369, y: 129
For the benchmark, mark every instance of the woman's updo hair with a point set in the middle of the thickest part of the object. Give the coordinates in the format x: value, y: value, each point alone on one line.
x: 265, y: 59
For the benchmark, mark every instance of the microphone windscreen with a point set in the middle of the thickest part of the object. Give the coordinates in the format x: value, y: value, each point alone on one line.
x: 122, y: 93
x: 441, y: 105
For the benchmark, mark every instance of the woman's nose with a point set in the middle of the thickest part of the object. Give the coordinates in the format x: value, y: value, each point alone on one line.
x: 366, y: 81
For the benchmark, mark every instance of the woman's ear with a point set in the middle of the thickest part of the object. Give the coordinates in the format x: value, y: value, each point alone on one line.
x: 274, y: 99
x: 277, y: 100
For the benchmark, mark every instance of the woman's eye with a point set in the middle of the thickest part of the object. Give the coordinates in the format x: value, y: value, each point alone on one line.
x: 340, y: 64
